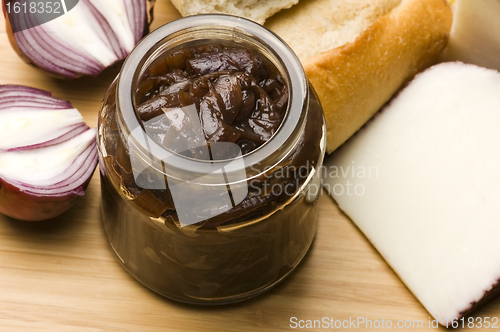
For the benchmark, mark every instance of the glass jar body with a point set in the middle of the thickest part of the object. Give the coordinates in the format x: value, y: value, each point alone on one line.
x: 233, y: 256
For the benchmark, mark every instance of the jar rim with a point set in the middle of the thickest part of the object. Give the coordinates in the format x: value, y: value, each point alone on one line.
x: 297, y: 82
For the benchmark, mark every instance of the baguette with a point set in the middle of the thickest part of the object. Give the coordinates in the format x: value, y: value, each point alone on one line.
x: 355, y: 75
x: 255, y: 10
x: 356, y: 53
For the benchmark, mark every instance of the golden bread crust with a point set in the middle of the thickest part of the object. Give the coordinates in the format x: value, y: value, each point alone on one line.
x: 355, y: 80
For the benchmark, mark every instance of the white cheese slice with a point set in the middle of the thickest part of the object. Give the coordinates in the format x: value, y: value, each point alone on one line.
x: 475, y: 36
x: 422, y: 182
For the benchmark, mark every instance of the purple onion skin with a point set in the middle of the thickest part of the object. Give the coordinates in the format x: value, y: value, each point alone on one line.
x: 23, y: 206
x: 16, y: 199
x: 10, y: 34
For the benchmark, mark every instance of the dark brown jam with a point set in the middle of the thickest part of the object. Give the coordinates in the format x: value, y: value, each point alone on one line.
x: 267, y: 192
x: 240, y: 97
x: 237, y: 96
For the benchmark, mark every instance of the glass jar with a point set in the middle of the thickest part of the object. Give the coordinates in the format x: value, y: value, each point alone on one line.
x: 210, y: 230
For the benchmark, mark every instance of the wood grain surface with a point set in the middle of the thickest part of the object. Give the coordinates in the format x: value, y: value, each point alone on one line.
x: 61, y: 275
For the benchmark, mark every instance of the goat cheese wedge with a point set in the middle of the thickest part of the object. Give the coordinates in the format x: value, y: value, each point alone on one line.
x: 474, y: 36
x: 422, y: 182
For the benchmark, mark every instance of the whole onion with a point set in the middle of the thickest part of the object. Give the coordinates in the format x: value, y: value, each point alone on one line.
x: 87, y: 39
x: 47, y: 154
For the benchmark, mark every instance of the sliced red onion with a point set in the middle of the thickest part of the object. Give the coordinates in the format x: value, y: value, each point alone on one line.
x: 92, y: 36
x: 47, y: 154
x: 21, y: 95
x: 11, y: 103
x: 15, y: 89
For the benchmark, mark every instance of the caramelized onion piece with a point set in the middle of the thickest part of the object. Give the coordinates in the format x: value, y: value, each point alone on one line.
x: 239, y: 97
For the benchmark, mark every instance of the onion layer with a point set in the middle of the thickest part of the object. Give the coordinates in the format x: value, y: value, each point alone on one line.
x: 87, y: 39
x: 47, y: 154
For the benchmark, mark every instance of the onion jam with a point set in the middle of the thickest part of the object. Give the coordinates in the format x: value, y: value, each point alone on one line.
x: 210, y: 141
x: 240, y: 97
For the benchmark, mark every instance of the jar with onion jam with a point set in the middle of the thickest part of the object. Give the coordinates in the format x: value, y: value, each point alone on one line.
x: 210, y: 144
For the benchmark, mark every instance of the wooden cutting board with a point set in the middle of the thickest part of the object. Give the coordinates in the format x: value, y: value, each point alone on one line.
x: 60, y: 275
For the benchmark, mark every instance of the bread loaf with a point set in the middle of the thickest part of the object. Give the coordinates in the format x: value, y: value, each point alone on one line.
x: 255, y: 10
x: 356, y: 53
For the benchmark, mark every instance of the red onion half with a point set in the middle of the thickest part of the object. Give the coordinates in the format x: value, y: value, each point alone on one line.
x: 92, y: 36
x: 47, y: 154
